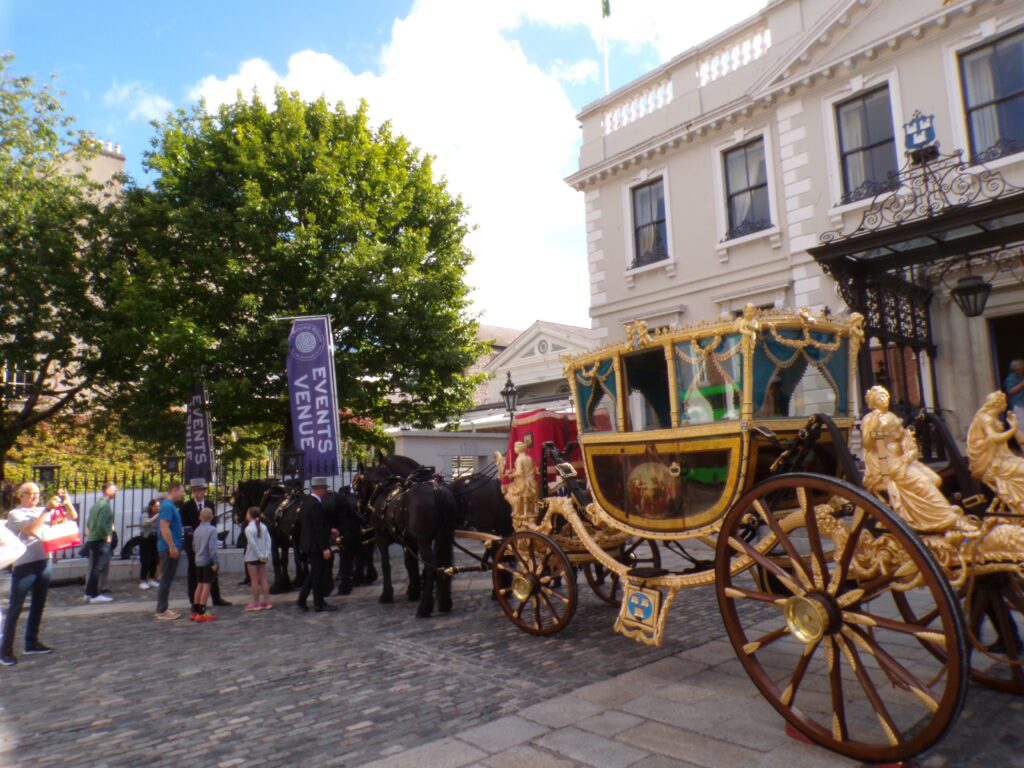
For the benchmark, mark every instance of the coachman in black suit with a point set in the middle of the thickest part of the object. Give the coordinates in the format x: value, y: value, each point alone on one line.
x: 315, y: 544
x: 190, y: 521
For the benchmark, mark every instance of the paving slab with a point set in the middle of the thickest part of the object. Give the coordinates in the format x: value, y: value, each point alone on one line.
x: 500, y: 734
x: 609, y: 723
x: 591, y: 749
x: 690, y: 747
x: 525, y: 756
x: 562, y: 711
x: 446, y: 753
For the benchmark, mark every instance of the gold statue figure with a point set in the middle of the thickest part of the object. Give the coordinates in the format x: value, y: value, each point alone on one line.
x: 988, y: 451
x: 523, y: 491
x: 891, y: 459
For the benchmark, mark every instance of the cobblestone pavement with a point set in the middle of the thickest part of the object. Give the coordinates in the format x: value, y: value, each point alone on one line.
x: 373, y: 683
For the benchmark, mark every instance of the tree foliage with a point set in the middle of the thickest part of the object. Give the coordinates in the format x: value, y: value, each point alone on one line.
x: 61, y: 301
x: 259, y: 211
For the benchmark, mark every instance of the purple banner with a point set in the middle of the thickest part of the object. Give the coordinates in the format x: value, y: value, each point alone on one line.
x: 313, y: 395
x: 198, y: 438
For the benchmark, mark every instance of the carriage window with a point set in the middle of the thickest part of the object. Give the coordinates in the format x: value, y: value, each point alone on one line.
x: 650, y: 405
x: 597, y: 397
x: 798, y: 374
x: 709, y: 373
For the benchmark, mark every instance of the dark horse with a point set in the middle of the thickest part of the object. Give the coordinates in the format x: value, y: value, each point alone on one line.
x: 355, y: 540
x: 415, y: 509
x: 410, y: 505
x: 279, y: 504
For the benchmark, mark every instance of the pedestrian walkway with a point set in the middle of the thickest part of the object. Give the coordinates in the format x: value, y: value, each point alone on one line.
x: 374, y: 685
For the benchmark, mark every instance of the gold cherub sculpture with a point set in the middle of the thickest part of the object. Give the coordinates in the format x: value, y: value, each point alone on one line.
x: 892, y: 465
x: 522, y: 491
x: 988, y: 452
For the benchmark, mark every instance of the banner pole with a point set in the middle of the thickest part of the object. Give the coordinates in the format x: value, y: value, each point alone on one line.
x: 334, y: 394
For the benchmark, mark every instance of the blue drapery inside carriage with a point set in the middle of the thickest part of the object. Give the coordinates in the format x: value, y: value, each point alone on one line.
x: 597, y: 392
x: 801, y: 377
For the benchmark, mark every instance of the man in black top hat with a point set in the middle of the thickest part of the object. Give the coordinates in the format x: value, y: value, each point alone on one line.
x: 315, y: 544
x: 190, y: 521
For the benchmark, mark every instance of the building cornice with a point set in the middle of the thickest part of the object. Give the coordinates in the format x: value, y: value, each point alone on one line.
x: 784, y: 84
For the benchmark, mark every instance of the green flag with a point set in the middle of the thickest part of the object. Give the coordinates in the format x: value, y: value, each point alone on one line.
x: 606, y: 8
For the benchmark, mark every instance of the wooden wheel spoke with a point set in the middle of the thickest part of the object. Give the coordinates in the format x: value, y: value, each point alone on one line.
x: 552, y: 593
x: 864, y: 619
x: 519, y: 610
x: 860, y: 517
x: 506, y: 569
x: 755, y: 645
x: 798, y: 563
x: 551, y: 606
x: 899, y: 673
x: 881, y: 711
x: 741, y: 546
x: 818, y: 563
x: 835, y: 676
x: 798, y: 673
x: 536, y: 612
x: 738, y: 593
x: 521, y: 559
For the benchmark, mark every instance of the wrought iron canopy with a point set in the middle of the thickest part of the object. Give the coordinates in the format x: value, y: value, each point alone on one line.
x: 935, y: 207
x: 935, y: 217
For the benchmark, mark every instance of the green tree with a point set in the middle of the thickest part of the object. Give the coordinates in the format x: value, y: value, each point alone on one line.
x: 61, y: 301
x: 297, y: 208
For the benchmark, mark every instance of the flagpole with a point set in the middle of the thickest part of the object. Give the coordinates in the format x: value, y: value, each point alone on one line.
x: 604, y: 48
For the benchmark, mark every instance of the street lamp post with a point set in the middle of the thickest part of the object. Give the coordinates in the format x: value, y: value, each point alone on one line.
x: 46, y: 474
x: 511, y: 397
x: 292, y: 465
x: 172, y: 464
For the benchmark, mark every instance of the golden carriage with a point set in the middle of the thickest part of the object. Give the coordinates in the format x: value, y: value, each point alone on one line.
x: 859, y: 603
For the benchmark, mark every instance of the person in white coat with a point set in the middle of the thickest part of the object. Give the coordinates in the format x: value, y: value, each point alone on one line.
x: 257, y: 555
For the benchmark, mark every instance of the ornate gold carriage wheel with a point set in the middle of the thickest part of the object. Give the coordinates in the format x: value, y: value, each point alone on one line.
x: 872, y: 706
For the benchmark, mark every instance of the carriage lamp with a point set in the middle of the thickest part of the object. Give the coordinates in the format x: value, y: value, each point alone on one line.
x: 172, y: 463
x: 971, y: 294
x: 511, y: 396
x: 291, y: 463
x: 46, y: 474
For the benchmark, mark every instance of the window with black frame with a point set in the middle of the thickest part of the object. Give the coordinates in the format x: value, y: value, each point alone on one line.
x: 650, y: 234
x: 746, y: 189
x: 867, y: 145
x: 993, y: 86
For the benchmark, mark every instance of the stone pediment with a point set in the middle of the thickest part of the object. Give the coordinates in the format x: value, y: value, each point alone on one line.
x: 541, y: 343
x: 855, y: 31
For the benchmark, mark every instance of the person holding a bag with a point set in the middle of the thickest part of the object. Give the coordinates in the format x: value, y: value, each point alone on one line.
x: 99, y: 527
x: 32, y: 571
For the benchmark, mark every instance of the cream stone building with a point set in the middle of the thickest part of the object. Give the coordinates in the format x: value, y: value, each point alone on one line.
x: 806, y: 157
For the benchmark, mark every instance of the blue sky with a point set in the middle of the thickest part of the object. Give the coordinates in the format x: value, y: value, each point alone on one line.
x: 490, y: 87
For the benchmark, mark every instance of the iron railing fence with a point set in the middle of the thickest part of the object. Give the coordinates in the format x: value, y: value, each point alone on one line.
x: 137, y: 487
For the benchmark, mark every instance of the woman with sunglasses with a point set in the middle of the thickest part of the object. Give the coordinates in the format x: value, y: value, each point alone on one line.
x: 32, y: 571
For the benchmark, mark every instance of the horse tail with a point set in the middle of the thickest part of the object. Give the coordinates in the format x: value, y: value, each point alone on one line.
x: 447, y: 517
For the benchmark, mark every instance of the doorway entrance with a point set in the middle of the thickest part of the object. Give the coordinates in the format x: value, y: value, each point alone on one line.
x: 1007, y: 344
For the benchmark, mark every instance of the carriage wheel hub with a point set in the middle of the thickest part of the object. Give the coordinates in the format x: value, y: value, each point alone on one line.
x: 522, y: 587
x: 807, y: 618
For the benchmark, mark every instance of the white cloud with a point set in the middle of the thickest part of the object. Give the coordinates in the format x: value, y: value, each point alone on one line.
x: 140, y: 102
x: 668, y: 26
x: 454, y: 79
x: 503, y: 132
x: 581, y: 72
